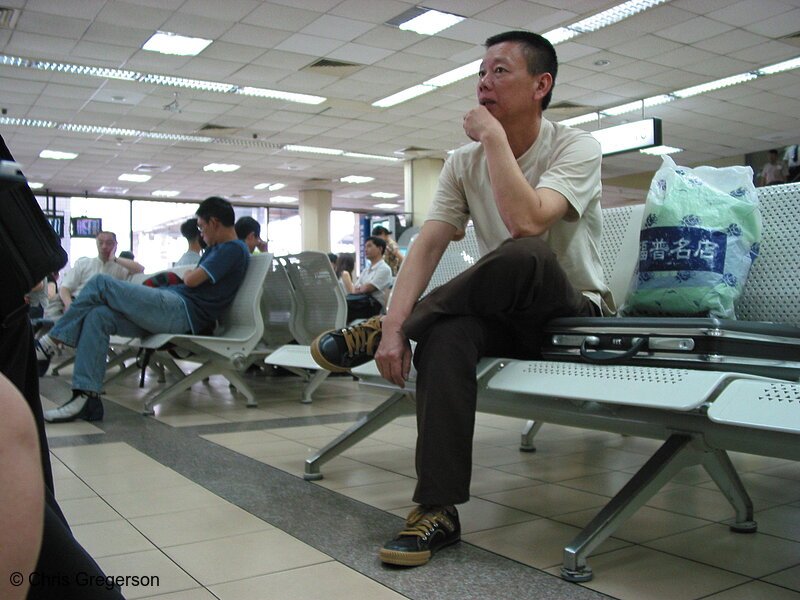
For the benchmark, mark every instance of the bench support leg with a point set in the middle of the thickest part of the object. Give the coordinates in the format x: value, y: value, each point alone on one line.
x: 180, y: 386
x: 719, y: 466
x: 313, y: 383
x: 673, y: 455
x: 397, y: 405
x: 530, y: 429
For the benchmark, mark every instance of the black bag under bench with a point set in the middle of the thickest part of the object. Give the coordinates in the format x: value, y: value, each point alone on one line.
x: 708, y: 343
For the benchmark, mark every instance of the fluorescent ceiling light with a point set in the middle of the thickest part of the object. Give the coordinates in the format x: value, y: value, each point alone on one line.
x: 659, y: 150
x: 431, y: 22
x: 458, y: 74
x: 277, y: 94
x: 165, y: 193
x: 580, y: 120
x: 313, y: 149
x: 370, y: 156
x: 714, y: 85
x: 173, y: 43
x: 386, y: 205
x: 283, y: 199
x: 385, y: 195
x: 629, y: 136
x: 221, y: 167
x: 152, y: 78
x: 57, y: 155
x: 35, y: 185
x: 261, y: 186
x: 786, y: 65
x: 403, y: 95
x: 135, y: 177
x: 27, y: 122
x: 356, y: 179
x: 276, y: 186
x: 561, y: 34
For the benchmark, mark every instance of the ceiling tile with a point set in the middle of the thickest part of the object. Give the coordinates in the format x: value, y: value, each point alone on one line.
x: 644, y: 47
x: 374, y: 11
x: 48, y: 24
x: 359, y: 54
x: 309, y: 44
x: 729, y: 42
x: 230, y: 10
x: 693, y: 30
x: 260, y: 37
x: 276, y: 16
x: 337, y: 28
x: 749, y: 11
x: 777, y: 26
x: 117, y: 12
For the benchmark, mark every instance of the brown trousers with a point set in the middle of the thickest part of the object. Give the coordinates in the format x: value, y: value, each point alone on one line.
x: 497, y: 307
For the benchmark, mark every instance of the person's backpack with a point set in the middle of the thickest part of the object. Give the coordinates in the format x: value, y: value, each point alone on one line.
x: 29, y: 248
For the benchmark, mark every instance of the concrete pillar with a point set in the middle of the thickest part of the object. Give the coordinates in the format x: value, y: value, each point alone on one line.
x: 315, y: 220
x: 421, y: 180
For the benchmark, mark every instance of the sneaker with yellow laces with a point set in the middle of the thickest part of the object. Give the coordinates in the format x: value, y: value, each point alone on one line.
x: 428, y: 529
x: 340, y: 350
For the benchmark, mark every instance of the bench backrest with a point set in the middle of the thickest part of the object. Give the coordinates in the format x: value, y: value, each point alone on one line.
x: 277, y: 306
x: 457, y: 257
x: 319, y: 299
x: 243, y: 316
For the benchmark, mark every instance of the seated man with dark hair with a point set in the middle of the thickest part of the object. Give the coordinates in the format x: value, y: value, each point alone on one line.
x: 193, y: 253
x: 365, y: 297
x: 109, y: 307
x: 249, y: 231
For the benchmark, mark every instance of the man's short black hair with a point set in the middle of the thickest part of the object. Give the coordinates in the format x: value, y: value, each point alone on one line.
x: 380, y: 230
x: 220, y: 208
x: 538, y: 52
x: 245, y: 225
x: 126, y: 254
x: 189, y: 230
x: 379, y: 242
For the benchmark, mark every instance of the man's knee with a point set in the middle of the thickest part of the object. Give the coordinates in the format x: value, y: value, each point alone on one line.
x: 523, y: 249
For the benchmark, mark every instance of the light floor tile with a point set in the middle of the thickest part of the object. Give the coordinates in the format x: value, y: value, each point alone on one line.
x: 697, y: 502
x: 150, y: 563
x: 790, y: 470
x: 776, y: 490
x: 192, y: 420
x: 781, y: 521
x: 551, y: 469
x: 645, y: 524
x: 241, y: 556
x: 356, y: 474
x: 609, y: 458
x: 605, y: 484
x: 100, y: 464
x: 238, y: 438
x: 394, y: 494
x: 326, y: 581
x: 159, y: 501
x: 298, y: 434
x: 635, y: 572
x: 133, y: 481
x: 789, y: 578
x: 486, y: 481
x: 495, y: 456
x: 547, y: 499
x: 207, y: 523
x: 753, y: 554
x: 110, y: 538
x: 88, y: 510
x: 538, y: 543
x: 756, y: 590
x: 70, y: 488
x: 197, y: 593
x: 59, y: 430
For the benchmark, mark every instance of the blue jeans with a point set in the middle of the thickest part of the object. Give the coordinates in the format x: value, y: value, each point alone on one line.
x: 106, y: 307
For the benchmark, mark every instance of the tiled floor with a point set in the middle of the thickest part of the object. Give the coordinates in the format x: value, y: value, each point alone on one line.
x: 208, y: 496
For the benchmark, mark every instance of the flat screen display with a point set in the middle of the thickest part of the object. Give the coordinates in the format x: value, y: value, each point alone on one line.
x: 85, y: 227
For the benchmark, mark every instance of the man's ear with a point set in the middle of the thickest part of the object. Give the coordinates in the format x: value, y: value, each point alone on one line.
x: 542, y: 85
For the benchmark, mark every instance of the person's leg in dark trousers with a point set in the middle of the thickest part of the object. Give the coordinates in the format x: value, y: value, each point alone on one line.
x: 495, y: 308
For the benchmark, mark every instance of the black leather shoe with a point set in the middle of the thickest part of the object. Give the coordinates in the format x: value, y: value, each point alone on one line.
x: 80, y: 406
x: 340, y: 350
x: 427, y: 530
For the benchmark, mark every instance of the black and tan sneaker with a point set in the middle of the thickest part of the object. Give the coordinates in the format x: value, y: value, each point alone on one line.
x: 340, y: 350
x: 428, y: 529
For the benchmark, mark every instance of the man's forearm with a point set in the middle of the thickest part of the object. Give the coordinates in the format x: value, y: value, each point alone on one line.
x: 66, y: 296
x: 131, y: 265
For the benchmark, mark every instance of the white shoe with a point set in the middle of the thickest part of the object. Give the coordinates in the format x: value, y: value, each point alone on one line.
x: 80, y: 406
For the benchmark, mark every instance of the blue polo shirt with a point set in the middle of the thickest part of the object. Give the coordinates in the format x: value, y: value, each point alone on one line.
x: 226, y: 265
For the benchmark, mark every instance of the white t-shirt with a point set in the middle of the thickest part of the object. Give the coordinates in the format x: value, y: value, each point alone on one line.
x: 378, y: 274
x: 85, y: 268
x: 563, y: 159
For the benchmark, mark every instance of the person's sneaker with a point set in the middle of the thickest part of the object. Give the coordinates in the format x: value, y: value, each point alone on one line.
x: 428, y: 529
x: 81, y: 406
x: 340, y: 350
x: 43, y: 358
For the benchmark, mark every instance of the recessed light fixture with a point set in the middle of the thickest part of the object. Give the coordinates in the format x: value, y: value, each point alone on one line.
x: 356, y: 179
x: 714, y: 85
x: 283, y: 199
x: 386, y: 205
x: 135, y: 177
x: 57, y: 155
x: 276, y: 186
x: 384, y: 195
x: 261, y: 186
x: 659, y: 150
x: 165, y: 193
x: 35, y: 185
x: 221, y: 167
x: 313, y: 149
x: 173, y: 43
x: 602, y: 62
x: 430, y: 22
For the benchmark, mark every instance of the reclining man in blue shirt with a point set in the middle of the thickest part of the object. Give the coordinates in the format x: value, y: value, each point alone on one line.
x: 107, y: 306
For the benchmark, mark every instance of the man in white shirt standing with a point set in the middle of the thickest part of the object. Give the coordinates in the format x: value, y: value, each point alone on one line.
x: 366, y: 297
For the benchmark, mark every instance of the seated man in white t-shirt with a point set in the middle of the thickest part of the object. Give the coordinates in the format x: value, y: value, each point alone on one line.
x: 365, y: 297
